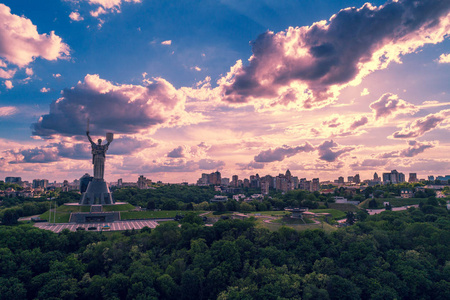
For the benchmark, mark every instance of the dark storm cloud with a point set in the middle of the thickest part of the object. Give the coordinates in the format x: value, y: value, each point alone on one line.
x: 328, y: 151
x: 422, y: 125
x: 309, y: 65
x: 117, y: 108
x: 280, y: 153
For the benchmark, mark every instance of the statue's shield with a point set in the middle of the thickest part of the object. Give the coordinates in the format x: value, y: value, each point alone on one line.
x: 109, y: 137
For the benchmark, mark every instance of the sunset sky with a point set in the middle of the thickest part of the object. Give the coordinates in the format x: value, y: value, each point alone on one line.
x: 324, y: 88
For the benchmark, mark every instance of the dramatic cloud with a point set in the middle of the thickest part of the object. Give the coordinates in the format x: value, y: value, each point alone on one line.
x: 44, y: 90
x: 365, y: 92
x: 167, y: 43
x: 306, y: 67
x: 444, y: 59
x: 329, y: 151
x: 20, y: 42
x: 422, y: 125
x: 280, y: 153
x: 117, y: 108
x: 389, y: 105
x: 7, y: 110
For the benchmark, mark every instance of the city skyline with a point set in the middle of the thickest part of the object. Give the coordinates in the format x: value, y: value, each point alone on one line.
x: 325, y: 89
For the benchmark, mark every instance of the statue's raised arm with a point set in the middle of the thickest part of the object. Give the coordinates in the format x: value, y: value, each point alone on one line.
x: 89, y: 137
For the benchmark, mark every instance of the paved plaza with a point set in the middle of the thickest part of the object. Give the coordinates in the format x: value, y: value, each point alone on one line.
x: 114, y: 226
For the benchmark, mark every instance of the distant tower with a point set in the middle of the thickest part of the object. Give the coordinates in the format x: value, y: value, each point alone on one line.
x: 412, y: 177
x: 375, y: 176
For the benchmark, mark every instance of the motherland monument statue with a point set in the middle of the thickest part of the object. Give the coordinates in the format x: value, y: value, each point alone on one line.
x: 97, y: 191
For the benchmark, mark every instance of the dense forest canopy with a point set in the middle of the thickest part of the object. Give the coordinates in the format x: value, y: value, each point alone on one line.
x: 393, y: 255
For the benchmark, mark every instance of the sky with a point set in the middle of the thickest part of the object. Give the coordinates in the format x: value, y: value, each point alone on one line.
x: 323, y: 88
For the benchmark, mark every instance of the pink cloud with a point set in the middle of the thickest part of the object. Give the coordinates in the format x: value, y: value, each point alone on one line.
x: 8, y: 84
x: 108, y: 6
x: 20, y: 42
x: 280, y: 153
x: 414, y: 149
x: 182, y: 165
x: 7, y: 110
x: 330, y: 151
x: 306, y: 67
x: 75, y: 16
x: 389, y: 105
x: 122, y: 108
x: 422, y: 125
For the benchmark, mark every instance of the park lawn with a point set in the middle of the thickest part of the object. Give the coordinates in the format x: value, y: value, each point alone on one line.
x: 118, y: 207
x: 271, y: 213
x: 395, y: 202
x: 345, y: 207
x: 61, y: 217
x: 337, y: 214
x: 73, y: 208
x: 292, y: 221
x: 129, y: 215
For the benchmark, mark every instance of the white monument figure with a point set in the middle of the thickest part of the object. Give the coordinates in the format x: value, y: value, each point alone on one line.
x: 97, y: 191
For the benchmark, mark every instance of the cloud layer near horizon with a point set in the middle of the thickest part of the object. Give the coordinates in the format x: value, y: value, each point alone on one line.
x: 306, y: 67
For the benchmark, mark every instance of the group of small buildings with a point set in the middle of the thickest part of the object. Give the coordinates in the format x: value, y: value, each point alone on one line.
x: 283, y: 182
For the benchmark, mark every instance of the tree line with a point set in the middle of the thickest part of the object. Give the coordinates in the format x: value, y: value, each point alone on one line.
x: 392, y: 255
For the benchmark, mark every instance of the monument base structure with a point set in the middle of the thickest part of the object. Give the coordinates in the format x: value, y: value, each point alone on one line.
x: 97, y: 192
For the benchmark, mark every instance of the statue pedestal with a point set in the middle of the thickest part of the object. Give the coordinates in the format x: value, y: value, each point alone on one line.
x: 97, y: 192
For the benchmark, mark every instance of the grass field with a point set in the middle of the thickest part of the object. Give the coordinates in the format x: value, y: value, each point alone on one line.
x: 61, y: 217
x: 343, y: 207
x: 395, y: 202
x: 128, y: 215
x: 337, y: 214
x: 118, y: 207
x: 270, y: 213
x: 73, y: 208
x: 292, y: 221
